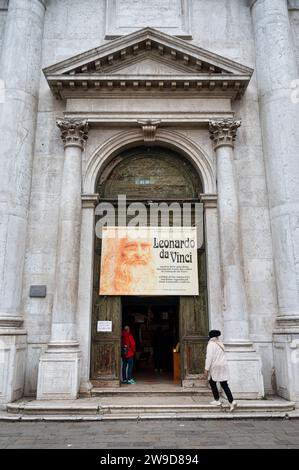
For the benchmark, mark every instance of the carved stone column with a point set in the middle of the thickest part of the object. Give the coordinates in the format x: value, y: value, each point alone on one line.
x: 245, y: 365
x: 20, y: 75
x: 59, y: 366
x: 277, y: 72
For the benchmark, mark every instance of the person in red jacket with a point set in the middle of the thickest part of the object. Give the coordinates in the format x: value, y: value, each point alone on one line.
x: 128, y: 353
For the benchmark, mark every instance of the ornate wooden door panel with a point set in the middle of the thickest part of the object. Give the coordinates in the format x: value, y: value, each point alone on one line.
x: 106, y: 345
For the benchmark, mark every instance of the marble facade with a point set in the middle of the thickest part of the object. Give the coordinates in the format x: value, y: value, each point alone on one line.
x: 221, y: 82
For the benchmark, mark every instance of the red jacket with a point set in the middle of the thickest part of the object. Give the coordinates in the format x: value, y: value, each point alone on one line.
x: 128, y: 340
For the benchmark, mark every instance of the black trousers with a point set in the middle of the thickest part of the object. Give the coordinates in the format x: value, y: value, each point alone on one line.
x: 225, y: 387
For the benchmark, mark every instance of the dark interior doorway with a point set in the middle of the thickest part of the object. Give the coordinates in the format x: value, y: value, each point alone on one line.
x: 154, y: 323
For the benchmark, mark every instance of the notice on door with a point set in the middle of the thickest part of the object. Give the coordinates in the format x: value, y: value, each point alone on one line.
x: 149, y: 261
x: 104, y: 326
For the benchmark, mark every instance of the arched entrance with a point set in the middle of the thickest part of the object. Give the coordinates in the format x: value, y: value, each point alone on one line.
x: 147, y: 173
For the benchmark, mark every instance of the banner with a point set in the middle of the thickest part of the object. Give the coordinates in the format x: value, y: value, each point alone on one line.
x: 149, y: 261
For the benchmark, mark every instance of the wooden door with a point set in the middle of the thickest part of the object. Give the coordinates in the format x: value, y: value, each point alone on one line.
x: 194, y: 328
x: 105, y: 347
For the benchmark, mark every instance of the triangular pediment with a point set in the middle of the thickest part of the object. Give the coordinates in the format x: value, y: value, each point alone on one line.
x: 147, y: 59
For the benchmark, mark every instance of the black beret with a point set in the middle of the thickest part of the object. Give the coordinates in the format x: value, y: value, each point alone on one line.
x: 214, y: 333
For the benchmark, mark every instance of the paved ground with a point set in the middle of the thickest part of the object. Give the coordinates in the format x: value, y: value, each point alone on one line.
x: 248, y: 434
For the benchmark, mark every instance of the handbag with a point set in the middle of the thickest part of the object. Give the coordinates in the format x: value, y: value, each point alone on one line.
x: 124, y: 350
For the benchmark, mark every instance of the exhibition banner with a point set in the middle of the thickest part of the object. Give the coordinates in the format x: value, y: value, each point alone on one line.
x: 149, y: 261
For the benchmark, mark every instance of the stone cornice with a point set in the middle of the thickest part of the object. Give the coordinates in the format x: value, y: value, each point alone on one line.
x: 224, y: 132
x: 93, y: 86
x: 73, y: 132
x: 130, y: 117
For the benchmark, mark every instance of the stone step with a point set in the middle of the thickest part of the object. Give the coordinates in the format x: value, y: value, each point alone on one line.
x: 143, y: 410
x: 190, y: 408
x: 132, y: 391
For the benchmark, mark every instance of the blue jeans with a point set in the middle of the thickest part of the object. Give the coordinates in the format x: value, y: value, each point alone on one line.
x: 127, y: 368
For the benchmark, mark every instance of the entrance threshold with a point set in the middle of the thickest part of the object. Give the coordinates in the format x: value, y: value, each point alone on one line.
x: 154, y: 387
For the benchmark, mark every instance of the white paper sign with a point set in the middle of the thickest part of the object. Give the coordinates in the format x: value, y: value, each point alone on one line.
x: 104, y: 326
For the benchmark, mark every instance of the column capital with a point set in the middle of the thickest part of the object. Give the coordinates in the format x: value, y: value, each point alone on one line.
x: 224, y: 132
x: 73, y: 132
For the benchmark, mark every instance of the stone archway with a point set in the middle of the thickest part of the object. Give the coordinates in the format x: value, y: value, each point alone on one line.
x: 98, y: 163
x: 165, y: 137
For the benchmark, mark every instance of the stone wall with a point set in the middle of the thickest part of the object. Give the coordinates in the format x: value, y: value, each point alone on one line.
x: 221, y: 26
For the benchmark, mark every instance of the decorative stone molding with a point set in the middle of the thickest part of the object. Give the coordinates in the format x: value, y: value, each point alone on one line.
x: 89, y: 201
x: 209, y: 200
x: 224, y: 132
x: 287, y: 324
x: 11, y: 322
x: 292, y: 4
x: 149, y: 129
x: 122, y: 140
x: 73, y: 132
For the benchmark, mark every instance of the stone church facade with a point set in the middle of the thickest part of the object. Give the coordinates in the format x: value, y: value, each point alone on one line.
x: 87, y: 85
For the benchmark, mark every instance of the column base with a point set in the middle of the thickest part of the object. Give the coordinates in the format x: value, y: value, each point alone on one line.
x: 85, y: 388
x: 59, y: 373
x: 245, y: 368
x: 286, y: 357
x: 13, y: 345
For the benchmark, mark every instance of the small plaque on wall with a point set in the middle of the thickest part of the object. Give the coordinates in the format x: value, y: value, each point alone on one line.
x: 38, y: 291
x: 104, y: 326
x: 169, y: 16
